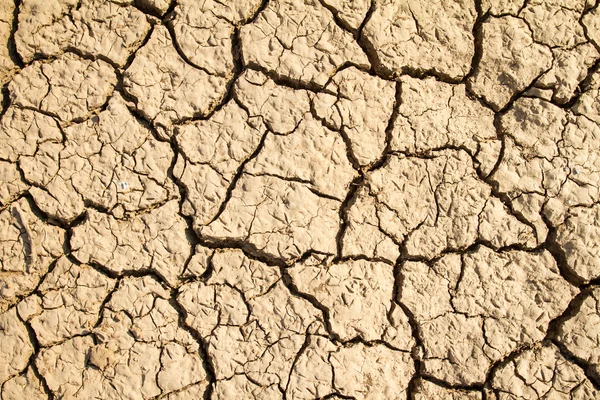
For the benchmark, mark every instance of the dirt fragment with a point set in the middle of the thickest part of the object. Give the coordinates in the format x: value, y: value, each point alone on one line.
x: 541, y: 373
x: 137, y: 352
x: 426, y: 36
x: 28, y: 247
x: 155, y: 242
x: 511, y: 61
x: 579, y: 333
x: 168, y: 90
x: 299, y: 41
x: 475, y: 309
x: 69, y: 88
x: 106, y: 29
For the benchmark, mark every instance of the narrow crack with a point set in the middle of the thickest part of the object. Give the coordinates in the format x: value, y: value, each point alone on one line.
x: 36, y: 346
x: 237, y: 176
x: 477, y: 33
x: 202, y: 345
x: 12, y: 44
x: 293, y: 289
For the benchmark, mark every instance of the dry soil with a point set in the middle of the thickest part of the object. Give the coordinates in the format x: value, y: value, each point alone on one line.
x: 300, y: 199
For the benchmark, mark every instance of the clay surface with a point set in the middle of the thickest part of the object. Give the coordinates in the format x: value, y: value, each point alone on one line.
x: 300, y: 199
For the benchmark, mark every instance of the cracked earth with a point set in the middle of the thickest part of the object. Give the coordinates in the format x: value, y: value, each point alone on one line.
x: 300, y: 199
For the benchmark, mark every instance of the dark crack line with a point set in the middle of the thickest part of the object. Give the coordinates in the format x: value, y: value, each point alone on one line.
x: 558, y: 253
x: 338, y: 20
x: 147, y: 8
x: 31, y: 364
x: 12, y: 44
x: 293, y: 289
x: 170, y: 27
x: 202, y: 345
x: 133, y: 54
x: 477, y: 33
x: 237, y: 176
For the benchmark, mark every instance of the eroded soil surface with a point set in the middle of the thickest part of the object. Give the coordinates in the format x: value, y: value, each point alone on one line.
x: 300, y: 199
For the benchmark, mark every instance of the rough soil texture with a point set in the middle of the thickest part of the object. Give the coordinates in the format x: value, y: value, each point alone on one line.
x: 300, y: 199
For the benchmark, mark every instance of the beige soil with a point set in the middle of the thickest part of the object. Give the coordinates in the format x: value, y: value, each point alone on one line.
x: 300, y: 199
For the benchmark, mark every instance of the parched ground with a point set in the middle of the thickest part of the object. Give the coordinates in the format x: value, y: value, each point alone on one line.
x: 300, y: 199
